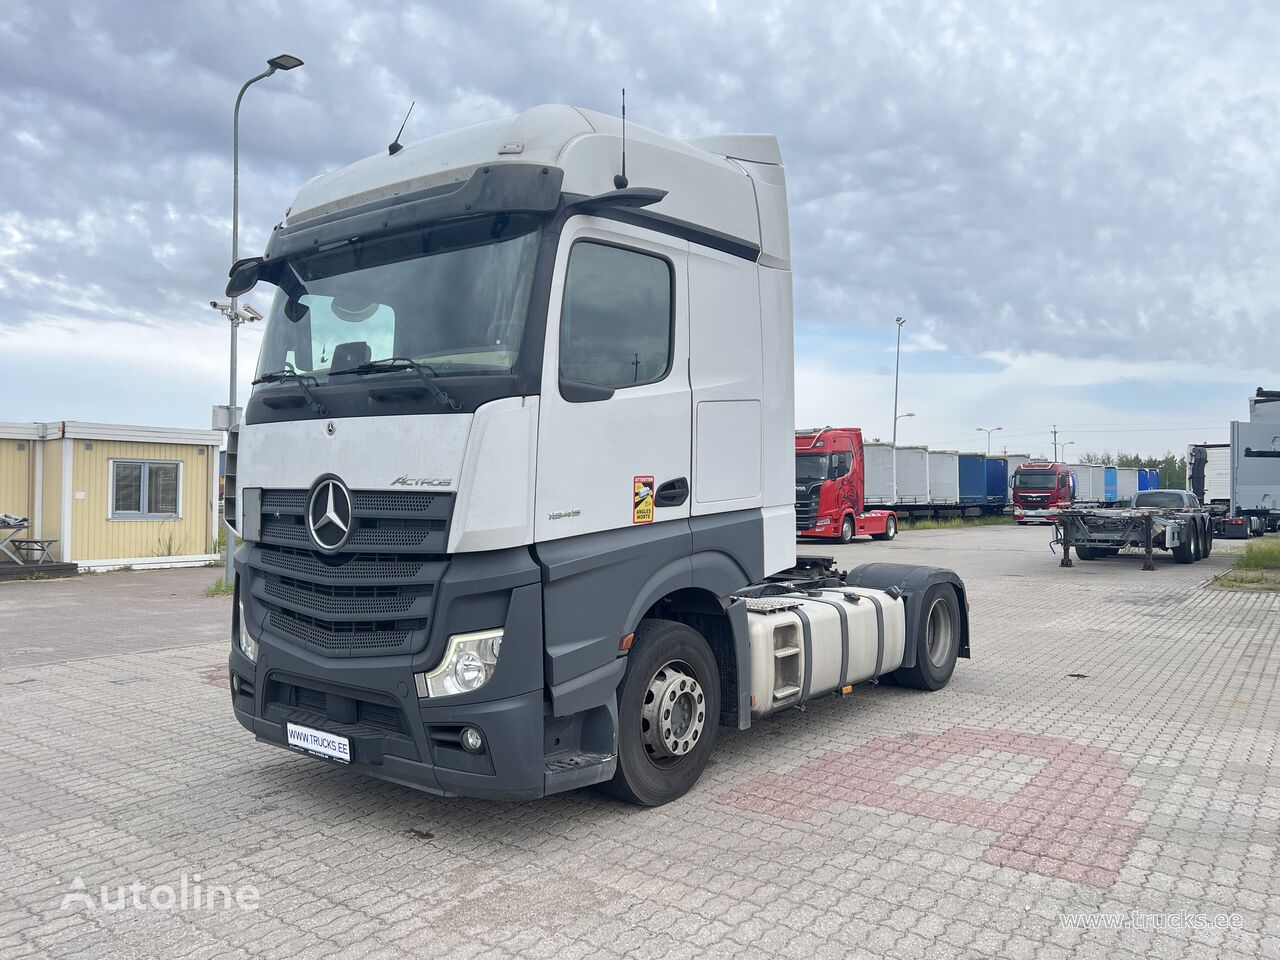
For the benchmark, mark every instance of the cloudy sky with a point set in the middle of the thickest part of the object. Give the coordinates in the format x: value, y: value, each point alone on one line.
x: 1074, y: 204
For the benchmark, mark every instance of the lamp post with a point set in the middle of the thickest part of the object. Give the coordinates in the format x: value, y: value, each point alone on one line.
x: 284, y: 61
x: 989, y: 431
x: 897, y: 356
x: 1063, y: 448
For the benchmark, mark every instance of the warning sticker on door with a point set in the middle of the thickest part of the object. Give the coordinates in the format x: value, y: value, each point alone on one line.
x: 642, y: 500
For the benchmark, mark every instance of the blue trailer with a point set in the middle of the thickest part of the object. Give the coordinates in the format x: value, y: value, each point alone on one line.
x: 973, y: 479
x: 1109, y: 485
x: 1144, y: 479
x: 1153, y: 478
x: 997, y: 473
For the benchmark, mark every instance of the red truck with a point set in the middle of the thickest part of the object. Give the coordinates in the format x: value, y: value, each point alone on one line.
x: 829, y: 488
x: 1038, y: 485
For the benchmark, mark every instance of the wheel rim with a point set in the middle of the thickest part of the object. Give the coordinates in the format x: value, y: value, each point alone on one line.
x: 940, y: 631
x: 891, y: 528
x: 674, y: 714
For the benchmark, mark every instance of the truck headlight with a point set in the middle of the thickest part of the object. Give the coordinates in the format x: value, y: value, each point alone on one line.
x: 248, y: 644
x: 467, y: 665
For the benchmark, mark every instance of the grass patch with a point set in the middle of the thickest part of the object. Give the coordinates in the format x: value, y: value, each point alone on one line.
x: 127, y: 568
x: 951, y: 523
x: 219, y: 588
x: 37, y: 575
x: 1260, y: 555
x: 1258, y: 568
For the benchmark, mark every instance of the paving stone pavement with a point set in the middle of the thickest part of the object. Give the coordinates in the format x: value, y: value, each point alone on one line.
x: 1110, y: 748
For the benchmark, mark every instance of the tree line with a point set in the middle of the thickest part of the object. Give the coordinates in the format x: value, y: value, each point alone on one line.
x: 1173, y: 469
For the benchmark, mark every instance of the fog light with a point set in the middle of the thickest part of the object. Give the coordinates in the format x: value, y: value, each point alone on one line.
x: 235, y: 684
x: 472, y: 740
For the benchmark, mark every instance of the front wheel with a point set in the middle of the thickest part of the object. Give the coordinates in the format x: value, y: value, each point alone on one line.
x: 937, y: 641
x: 846, y: 530
x: 668, y: 712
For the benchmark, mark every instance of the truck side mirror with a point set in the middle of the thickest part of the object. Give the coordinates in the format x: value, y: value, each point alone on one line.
x: 244, y: 276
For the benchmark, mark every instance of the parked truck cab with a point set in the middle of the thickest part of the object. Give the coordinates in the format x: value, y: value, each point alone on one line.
x: 830, y: 487
x: 514, y: 481
x: 1041, y: 486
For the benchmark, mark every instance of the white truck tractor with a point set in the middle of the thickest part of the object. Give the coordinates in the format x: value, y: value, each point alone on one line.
x: 515, y: 481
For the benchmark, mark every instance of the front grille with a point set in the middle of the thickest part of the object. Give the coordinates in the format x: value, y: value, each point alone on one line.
x: 374, y: 597
x: 806, y: 510
x: 343, y: 599
x: 332, y: 637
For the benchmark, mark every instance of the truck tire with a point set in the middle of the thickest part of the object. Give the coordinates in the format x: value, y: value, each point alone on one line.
x: 1182, y: 552
x: 1208, y: 539
x: 1197, y: 551
x: 668, y: 712
x: 937, y: 641
x: 890, y: 530
x: 1085, y: 553
x: 846, y: 530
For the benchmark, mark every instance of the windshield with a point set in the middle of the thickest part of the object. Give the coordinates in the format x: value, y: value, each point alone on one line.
x: 811, y: 467
x: 1163, y: 499
x: 452, y: 296
x: 1035, y: 480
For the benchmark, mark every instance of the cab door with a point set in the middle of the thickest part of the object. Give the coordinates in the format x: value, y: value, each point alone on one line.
x: 615, y: 415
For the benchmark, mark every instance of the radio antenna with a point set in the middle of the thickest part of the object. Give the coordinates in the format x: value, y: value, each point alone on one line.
x: 620, y: 181
x: 395, y: 146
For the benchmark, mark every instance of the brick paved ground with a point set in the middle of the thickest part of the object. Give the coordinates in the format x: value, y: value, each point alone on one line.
x: 894, y: 823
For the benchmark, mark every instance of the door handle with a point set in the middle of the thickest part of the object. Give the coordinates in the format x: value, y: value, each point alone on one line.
x: 672, y: 493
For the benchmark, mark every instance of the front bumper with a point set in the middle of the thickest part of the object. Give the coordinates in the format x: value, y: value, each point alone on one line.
x: 394, y: 734
x: 418, y: 749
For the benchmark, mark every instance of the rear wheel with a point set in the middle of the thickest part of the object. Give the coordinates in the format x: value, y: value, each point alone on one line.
x: 668, y: 711
x: 1197, y: 550
x: 1208, y: 538
x: 1085, y: 553
x: 1182, y: 552
x: 846, y: 530
x: 890, y: 530
x: 937, y: 641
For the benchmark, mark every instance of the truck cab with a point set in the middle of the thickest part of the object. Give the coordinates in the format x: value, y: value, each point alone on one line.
x: 830, y: 486
x: 515, y: 462
x: 1040, y: 489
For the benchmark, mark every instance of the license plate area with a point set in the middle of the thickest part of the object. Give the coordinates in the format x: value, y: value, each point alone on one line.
x: 318, y: 743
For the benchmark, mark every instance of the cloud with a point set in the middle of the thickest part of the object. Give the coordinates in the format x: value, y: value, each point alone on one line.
x: 1085, y: 182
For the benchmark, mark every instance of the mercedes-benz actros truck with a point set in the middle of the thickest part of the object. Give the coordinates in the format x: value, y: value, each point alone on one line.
x: 514, y: 482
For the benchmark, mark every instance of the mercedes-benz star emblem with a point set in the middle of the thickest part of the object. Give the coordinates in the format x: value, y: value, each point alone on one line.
x: 329, y: 514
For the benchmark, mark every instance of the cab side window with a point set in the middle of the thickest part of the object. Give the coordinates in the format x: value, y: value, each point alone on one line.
x: 616, y: 326
x: 840, y: 464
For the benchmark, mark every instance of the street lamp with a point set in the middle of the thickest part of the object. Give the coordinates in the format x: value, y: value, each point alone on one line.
x: 1063, y: 449
x: 284, y: 61
x: 989, y: 431
x: 896, y: 357
x: 901, y: 416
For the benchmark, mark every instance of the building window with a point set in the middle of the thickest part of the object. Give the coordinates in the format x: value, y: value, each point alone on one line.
x: 145, y: 489
x: 616, y: 326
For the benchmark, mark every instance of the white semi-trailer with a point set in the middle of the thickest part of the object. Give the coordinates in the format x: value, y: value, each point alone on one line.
x: 515, y: 482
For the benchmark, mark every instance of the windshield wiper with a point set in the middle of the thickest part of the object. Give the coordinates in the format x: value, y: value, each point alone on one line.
x: 426, y: 373
x: 291, y: 375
